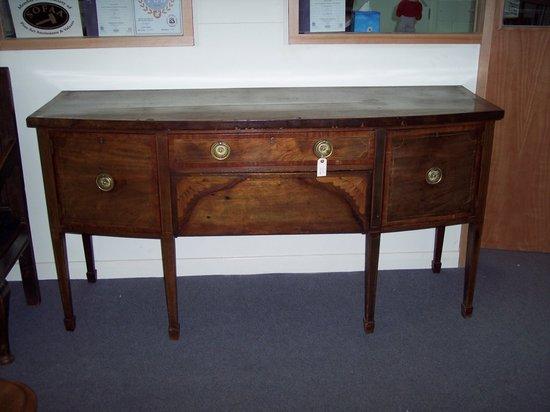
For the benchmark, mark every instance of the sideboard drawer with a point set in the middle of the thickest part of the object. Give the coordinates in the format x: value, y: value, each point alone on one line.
x: 107, y: 181
x: 273, y: 203
x: 431, y: 174
x: 274, y: 150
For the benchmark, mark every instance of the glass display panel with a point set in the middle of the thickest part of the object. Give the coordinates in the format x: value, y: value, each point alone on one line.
x: 526, y: 13
x: 387, y: 16
x: 36, y: 19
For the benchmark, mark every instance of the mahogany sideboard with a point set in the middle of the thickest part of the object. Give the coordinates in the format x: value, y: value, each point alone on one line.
x: 167, y: 163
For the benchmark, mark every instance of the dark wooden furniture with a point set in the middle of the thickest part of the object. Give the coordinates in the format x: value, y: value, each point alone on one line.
x: 16, y: 397
x: 162, y: 164
x: 15, y: 235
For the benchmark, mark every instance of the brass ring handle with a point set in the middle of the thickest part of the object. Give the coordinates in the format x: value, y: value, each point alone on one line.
x: 220, y: 150
x: 323, y: 148
x: 434, y: 175
x: 105, y: 182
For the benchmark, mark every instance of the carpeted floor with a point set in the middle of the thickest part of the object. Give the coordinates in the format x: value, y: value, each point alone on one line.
x: 294, y: 342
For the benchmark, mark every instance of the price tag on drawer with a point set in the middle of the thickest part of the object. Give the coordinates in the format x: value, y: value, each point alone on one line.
x: 322, y: 167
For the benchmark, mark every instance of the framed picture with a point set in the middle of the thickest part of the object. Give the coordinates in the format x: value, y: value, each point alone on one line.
x: 44, y: 19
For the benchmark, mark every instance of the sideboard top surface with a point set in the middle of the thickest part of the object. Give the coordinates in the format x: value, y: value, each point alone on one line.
x: 207, y: 109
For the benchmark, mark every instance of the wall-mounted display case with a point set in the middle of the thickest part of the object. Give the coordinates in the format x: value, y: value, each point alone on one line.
x: 62, y: 24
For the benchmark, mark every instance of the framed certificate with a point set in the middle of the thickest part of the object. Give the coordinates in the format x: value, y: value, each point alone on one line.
x: 511, y: 9
x: 158, y: 17
x: 52, y: 18
x: 115, y: 17
x: 327, y: 15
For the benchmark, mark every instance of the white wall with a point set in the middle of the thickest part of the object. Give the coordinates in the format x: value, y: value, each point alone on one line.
x: 239, y: 43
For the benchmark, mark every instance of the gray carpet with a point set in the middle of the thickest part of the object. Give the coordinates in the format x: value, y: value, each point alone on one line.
x: 294, y: 342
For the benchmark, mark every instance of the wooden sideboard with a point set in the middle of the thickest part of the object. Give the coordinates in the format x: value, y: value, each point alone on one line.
x: 167, y: 163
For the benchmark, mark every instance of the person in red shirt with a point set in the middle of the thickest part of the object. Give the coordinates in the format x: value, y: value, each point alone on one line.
x: 408, y: 11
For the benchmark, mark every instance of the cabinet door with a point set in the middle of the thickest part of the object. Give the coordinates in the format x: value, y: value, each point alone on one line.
x: 431, y: 176
x: 84, y: 164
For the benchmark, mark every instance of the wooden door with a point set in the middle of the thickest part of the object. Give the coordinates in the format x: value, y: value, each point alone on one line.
x: 515, y: 75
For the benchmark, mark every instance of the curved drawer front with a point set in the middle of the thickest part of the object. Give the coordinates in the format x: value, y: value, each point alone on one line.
x: 270, y: 151
x: 107, y: 181
x: 272, y: 203
x: 431, y: 175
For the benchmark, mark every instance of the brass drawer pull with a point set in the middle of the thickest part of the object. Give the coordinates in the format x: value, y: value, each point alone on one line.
x: 322, y: 148
x: 434, y: 175
x: 105, y: 182
x: 220, y: 150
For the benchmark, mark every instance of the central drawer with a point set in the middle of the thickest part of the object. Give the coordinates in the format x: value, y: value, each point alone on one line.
x: 270, y: 151
x: 272, y: 203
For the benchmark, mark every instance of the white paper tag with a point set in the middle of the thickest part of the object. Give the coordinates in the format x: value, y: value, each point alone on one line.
x: 322, y: 167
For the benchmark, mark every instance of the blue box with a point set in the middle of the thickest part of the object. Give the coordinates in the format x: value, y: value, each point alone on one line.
x: 366, y: 21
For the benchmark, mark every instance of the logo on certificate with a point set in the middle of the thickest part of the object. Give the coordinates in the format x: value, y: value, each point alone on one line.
x: 172, y: 20
x: 156, y: 7
x: 51, y: 18
x: 46, y: 16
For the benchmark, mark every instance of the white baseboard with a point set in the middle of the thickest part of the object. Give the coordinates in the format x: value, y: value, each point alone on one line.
x: 351, y: 262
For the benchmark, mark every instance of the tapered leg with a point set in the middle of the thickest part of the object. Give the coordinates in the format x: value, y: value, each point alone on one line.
x: 5, y: 354
x: 371, y: 277
x: 29, y: 277
x: 470, y: 270
x: 63, y: 279
x: 438, y: 248
x: 168, y: 246
x: 91, y: 273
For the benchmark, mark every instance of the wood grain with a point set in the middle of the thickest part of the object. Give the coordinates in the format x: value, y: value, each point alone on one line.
x: 12, y: 185
x: 490, y: 23
x: 167, y: 241
x: 272, y: 150
x: 58, y: 237
x: 517, y: 213
x: 272, y: 203
x: 88, y: 245
x: 470, y: 270
x: 410, y: 154
x: 16, y: 396
x: 132, y: 204
x: 158, y: 143
x: 272, y: 108
x: 372, y: 255
x: 386, y: 38
x: 438, y: 248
